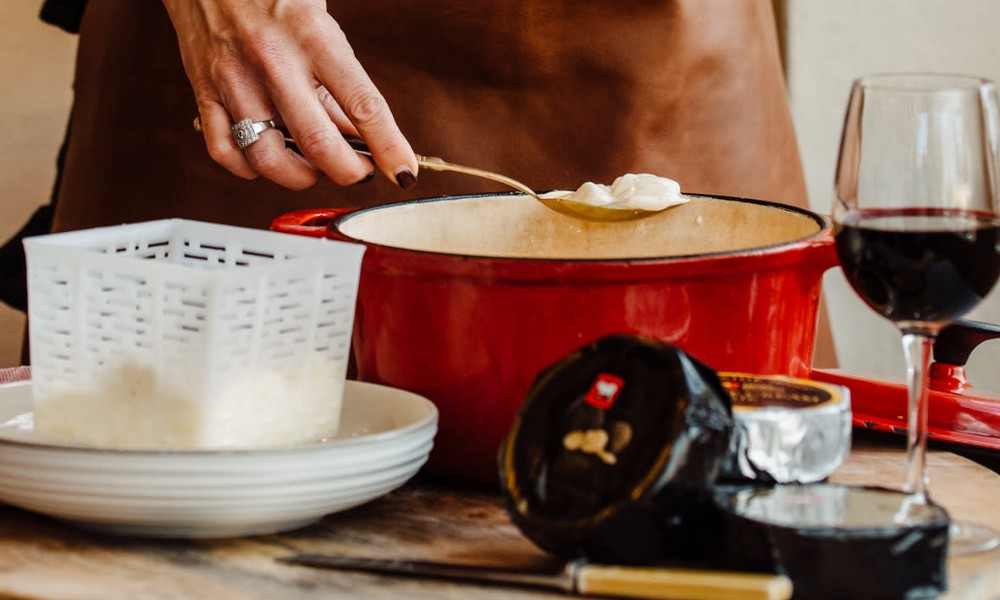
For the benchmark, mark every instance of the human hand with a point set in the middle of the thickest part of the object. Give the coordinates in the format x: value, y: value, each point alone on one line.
x: 286, y: 60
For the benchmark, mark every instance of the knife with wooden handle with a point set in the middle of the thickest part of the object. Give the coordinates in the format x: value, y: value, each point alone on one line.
x: 578, y: 577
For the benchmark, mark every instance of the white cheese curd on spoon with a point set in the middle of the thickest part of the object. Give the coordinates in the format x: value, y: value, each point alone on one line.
x: 631, y: 191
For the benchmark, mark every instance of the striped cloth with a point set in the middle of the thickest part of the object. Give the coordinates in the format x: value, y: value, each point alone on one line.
x: 15, y: 374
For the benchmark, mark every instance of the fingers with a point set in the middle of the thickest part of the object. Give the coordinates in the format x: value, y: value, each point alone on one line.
x: 311, y: 116
x: 313, y: 120
x: 262, y: 60
x: 316, y: 134
x: 216, y: 126
x: 357, y: 98
x: 335, y: 113
x: 268, y: 156
x: 348, y: 99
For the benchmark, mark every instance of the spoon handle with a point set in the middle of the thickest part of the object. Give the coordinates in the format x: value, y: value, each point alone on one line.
x: 433, y: 163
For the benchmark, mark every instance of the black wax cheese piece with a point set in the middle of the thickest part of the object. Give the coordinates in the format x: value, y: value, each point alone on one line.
x: 614, y: 452
x: 835, y: 541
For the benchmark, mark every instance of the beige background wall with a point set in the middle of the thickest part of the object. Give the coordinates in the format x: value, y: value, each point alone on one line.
x: 36, y: 63
x: 827, y: 45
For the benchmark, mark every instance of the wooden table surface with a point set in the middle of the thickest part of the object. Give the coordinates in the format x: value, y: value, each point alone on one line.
x: 43, y: 558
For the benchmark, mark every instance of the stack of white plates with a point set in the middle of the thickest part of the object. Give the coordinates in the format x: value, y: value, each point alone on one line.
x: 385, y: 437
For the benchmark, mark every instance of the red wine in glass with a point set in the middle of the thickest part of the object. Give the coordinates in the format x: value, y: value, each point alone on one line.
x: 915, y: 216
x: 928, y: 266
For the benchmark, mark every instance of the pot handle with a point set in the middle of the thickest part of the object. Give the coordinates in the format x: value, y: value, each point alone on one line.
x: 956, y: 341
x: 310, y: 222
x: 952, y: 348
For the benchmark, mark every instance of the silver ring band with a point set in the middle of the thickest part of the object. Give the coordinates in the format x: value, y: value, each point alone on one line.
x: 248, y: 131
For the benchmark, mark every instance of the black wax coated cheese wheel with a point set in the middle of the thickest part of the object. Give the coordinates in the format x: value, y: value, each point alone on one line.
x: 614, y: 452
x: 836, y: 541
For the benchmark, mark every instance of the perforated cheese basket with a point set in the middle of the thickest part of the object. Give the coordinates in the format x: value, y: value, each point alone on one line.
x: 179, y: 333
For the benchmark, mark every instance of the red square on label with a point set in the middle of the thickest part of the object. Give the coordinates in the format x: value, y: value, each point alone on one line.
x: 605, y: 390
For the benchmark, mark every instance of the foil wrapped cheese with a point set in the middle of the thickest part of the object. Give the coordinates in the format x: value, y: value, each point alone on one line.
x: 788, y: 430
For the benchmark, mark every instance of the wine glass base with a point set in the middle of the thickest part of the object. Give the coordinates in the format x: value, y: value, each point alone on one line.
x: 967, y: 538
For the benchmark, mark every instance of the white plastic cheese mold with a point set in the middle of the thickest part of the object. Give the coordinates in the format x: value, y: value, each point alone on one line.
x: 184, y: 334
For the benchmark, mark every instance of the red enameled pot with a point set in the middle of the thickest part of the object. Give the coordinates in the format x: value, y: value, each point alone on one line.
x: 464, y: 299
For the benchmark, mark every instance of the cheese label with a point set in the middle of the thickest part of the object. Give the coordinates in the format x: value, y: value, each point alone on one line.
x: 752, y: 392
x: 604, y: 391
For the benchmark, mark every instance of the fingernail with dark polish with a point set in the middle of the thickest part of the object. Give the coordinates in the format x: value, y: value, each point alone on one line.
x: 406, y: 179
x: 367, y: 178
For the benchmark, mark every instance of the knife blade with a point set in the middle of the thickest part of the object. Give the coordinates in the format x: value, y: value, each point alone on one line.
x: 577, y: 577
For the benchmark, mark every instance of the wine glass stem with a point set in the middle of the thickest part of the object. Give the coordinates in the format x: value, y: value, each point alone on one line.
x: 917, y: 350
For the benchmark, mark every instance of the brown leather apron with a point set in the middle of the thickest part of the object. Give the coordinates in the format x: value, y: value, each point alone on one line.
x: 551, y: 92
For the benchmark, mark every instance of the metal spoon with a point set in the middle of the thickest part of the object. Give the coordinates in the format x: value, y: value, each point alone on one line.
x: 564, y: 205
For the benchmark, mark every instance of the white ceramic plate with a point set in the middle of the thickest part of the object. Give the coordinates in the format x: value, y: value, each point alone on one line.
x: 385, y: 437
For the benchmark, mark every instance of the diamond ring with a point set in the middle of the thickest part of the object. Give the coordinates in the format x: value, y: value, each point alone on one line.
x: 248, y: 131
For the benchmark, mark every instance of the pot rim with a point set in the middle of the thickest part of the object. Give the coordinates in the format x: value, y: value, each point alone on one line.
x: 823, y: 236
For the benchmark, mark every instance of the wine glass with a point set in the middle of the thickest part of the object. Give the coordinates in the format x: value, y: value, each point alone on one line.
x: 916, y: 226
